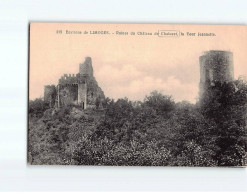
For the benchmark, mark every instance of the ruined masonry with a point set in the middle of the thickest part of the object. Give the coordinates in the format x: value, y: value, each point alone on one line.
x: 81, y: 89
x: 215, y: 66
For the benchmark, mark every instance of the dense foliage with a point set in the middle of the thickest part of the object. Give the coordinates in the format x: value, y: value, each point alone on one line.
x: 157, y: 131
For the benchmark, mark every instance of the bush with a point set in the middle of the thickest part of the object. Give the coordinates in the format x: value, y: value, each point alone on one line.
x: 161, y: 103
x: 156, y: 132
x: 36, y: 107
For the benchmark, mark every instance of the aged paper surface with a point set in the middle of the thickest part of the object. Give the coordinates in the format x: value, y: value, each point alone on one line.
x: 137, y: 94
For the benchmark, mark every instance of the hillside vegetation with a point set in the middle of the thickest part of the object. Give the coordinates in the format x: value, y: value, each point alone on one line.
x: 155, y: 132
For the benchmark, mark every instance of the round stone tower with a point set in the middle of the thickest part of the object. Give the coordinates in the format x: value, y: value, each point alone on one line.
x: 215, y: 66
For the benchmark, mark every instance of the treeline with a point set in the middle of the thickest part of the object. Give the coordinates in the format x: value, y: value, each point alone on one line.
x: 155, y: 132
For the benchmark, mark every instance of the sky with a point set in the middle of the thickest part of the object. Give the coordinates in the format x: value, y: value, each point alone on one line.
x: 131, y: 65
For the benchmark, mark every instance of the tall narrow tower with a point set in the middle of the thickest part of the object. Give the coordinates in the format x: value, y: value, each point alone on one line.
x: 215, y: 66
x: 50, y: 95
x: 86, y: 68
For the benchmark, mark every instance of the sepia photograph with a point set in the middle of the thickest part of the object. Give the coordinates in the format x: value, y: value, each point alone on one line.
x: 137, y: 95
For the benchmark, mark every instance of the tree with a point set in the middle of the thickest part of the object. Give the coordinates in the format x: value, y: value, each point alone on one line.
x: 225, y: 105
x: 116, y: 120
x: 36, y: 107
x: 163, y: 104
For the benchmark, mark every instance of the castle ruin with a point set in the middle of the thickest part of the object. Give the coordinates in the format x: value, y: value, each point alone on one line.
x: 215, y: 66
x: 81, y: 89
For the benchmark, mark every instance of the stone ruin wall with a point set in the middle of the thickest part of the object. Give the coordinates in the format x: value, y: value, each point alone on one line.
x: 94, y: 92
x: 68, y: 94
x: 50, y: 95
x: 86, y: 68
x: 81, y: 89
x: 82, y: 95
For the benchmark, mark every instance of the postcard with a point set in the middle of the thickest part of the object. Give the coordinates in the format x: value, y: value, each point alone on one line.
x: 137, y: 95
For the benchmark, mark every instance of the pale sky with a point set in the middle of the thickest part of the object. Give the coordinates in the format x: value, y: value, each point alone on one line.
x: 131, y: 65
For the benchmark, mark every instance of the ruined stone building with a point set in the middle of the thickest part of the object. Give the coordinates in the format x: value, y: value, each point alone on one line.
x: 81, y: 89
x: 215, y: 66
